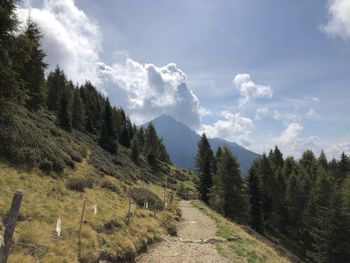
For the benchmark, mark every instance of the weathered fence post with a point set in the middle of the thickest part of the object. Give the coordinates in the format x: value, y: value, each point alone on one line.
x: 129, y: 211
x: 10, y: 226
x: 80, y: 226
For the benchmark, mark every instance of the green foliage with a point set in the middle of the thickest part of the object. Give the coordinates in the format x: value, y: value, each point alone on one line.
x: 33, y: 70
x: 79, y: 183
x: 78, y: 111
x: 204, y: 165
x: 141, y: 195
x: 65, y: 112
x: 135, y: 150
x: 108, y: 138
x: 255, y: 195
x: 56, y: 83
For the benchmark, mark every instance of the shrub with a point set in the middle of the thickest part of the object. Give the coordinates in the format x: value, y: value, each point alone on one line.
x: 110, y: 185
x: 140, y: 195
x: 79, y: 184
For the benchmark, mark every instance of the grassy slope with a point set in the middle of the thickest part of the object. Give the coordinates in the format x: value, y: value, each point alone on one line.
x: 47, y: 198
x: 34, y: 139
x: 244, y: 245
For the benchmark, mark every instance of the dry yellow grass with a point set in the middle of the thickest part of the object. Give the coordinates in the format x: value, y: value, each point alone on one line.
x: 47, y: 198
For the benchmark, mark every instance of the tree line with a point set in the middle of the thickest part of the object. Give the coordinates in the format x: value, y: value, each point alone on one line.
x: 77, y: 107
x: 304, y: 203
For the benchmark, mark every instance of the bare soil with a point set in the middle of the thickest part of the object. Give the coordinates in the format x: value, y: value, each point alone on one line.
x: 195, y: 241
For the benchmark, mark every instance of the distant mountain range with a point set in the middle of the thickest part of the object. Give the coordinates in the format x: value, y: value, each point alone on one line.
x: 181, y: 143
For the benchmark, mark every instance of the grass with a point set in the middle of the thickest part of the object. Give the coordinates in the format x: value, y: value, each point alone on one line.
x: 244, y: 245
x: 105, y: 235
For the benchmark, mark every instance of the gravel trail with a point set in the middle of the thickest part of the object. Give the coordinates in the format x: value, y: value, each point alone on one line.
x: 195, y: 242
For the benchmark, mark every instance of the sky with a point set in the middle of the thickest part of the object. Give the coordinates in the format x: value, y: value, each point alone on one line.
x: 259, y: 73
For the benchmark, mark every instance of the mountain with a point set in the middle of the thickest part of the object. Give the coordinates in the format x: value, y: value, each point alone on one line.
x: 181, y: 143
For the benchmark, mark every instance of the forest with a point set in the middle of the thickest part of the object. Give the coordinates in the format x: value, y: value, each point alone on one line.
x: 303, y: 204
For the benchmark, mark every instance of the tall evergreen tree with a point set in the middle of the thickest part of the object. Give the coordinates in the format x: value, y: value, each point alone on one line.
x: 33, y: 70
x: 255, y: 198
x: 151, y: 145
x: 135, y: 150
x: 65, y: 112
x: 13, y: 53
x: 78, y: 111
x: 236, y: 204
x: 108, y: 137
x: 204, y: 166
x: 56, y: 85
x: 163, y: 154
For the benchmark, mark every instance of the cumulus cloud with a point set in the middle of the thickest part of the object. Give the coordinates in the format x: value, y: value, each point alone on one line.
x: 232, y: 127
x: 339, y: 19
x: 261, y: 112
x: 70, y: 38
x: 149, y: 91
x: 74, y: 41
x: 250, y: 90
x: 290, y: 136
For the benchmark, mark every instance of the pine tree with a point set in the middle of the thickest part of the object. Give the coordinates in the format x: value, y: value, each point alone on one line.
x: 13, y: 54
x: 65, y: 112
x: 343, y: 167
x: 33, y: 70
x: 236, y: 204
x: 108, y: 137
x: 151, y: 145
x: 322, y: 160
x: 163, y: 154
x: 135, y: 150
x: 204, y: 166
x: 78, y: 111
x: 56, y: 84
x: 255, y: 198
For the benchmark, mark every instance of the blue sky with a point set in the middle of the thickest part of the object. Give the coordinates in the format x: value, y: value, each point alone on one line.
x: 256, y: 72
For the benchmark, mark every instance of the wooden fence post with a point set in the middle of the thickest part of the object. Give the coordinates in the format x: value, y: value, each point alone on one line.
x: 10, y: 226
x: 129, y: 211
x: 80, y: 226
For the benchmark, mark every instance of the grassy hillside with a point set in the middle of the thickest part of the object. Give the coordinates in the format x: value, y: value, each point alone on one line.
x: 243, y: 244
x: 56, y: 170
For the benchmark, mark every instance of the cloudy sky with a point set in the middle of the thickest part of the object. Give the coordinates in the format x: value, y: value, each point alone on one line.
x: 258, y: 73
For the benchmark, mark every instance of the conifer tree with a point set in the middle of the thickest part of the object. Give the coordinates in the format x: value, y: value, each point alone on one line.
x: 151, y: 145
x: 322, y: 160
x: 33, y: 70
x: 255, y: 196
x: 78, y: 111
x: 56, y: 85
x: 343, y: 167
x: 12, y: 47
x: 163, y: 154
x: 65, y: 112
x: 108, y: 137
x: 236, y: 204
x: 204, y: 166
x: 135, y: 150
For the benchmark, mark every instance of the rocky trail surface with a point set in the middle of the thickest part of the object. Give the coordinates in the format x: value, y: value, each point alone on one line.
x: 195, y: 241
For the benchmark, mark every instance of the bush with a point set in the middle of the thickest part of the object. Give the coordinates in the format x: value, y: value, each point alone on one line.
x: 110, y: 185
x: 79, y: 183
x: 140, y: 195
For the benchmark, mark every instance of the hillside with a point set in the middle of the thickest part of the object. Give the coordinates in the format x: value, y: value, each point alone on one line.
x: 56, y: 170
x: 181, y: 143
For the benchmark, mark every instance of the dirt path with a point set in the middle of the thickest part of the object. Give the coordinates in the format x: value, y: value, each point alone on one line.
x: 195, y: 242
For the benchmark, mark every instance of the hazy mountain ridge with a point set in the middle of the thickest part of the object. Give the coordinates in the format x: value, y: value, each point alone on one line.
x: 181, y: 143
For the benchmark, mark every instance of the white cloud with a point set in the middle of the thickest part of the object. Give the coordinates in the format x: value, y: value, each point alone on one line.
x: 70, y: 38
x: 149, y: 91
x: 74, y: 41
x: 232, y: 127
x: 249, y: 90
x: 290, y: 136
x: 261, y: 112
x: 339, y: 19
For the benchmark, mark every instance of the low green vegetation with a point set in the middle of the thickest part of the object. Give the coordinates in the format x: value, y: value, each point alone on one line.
x: 243, y: 244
